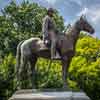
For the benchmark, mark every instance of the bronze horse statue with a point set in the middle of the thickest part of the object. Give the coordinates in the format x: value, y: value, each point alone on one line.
x: 28, y: 51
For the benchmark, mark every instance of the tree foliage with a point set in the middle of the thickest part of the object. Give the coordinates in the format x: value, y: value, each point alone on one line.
x: 7, y: 81
x: 17, y: 23
x: 85, y: 66
x: 20, y: 22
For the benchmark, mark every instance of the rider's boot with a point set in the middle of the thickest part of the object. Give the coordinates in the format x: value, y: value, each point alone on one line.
x: 55, y: 56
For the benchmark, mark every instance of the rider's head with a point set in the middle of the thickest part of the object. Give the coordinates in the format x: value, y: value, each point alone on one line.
x: 50, y: 12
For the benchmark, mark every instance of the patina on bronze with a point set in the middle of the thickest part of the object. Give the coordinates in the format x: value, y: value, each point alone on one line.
x: 30, y: 50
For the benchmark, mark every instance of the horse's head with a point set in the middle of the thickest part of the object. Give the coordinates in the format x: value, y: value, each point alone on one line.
x: 85, y: 26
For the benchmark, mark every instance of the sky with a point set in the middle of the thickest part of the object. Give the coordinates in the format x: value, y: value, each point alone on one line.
x: 71, y: 10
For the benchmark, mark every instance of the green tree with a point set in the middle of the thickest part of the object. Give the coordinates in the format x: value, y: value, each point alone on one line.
x: 17, y: 23
x: 20, y: 22
x: 7, y: 82
x: 85, y: 66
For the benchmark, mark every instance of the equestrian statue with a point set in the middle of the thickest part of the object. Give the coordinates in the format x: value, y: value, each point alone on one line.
x: 54, y: 43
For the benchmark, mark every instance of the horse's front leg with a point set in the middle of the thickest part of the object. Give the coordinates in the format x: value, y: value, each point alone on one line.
x: 65, y: 67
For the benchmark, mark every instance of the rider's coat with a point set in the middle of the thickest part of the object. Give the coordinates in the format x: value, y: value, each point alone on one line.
x: 48, y: 25
x: 49, y: 33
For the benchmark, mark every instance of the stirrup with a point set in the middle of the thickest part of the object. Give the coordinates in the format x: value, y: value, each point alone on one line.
x: 56, y: 57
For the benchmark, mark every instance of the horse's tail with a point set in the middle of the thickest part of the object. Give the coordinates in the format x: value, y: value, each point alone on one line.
x: 18, y: 55
x: 17, y: 61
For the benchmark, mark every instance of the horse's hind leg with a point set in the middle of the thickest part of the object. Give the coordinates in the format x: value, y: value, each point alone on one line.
x: 22, y: 72
x: 33, y: 60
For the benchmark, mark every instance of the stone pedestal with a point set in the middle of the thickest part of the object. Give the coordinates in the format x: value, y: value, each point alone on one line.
x: 48, y: 95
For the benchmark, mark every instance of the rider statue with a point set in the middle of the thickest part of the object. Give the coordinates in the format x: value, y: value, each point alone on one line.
x: 49, y: 32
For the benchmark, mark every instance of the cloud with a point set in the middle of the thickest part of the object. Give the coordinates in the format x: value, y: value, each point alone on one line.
x: 83, y: 11
x: 93, y: 16
x: 52, y: 1
x: 79, y: 2
x: 92, y: 13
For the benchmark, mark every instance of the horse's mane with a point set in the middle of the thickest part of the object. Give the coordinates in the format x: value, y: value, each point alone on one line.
x: 65, y: 33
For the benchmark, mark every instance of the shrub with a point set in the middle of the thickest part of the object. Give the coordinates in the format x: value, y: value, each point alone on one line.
x: 7, y: 83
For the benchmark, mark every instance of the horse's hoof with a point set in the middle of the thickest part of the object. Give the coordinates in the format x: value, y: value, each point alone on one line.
x: 18, y: 88
x: 65, y: 87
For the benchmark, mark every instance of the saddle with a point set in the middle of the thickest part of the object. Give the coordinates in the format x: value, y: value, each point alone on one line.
x: 44, y: 45
x: 47, y: 43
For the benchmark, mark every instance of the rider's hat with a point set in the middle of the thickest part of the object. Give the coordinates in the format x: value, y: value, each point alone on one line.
x: 50, y: 10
